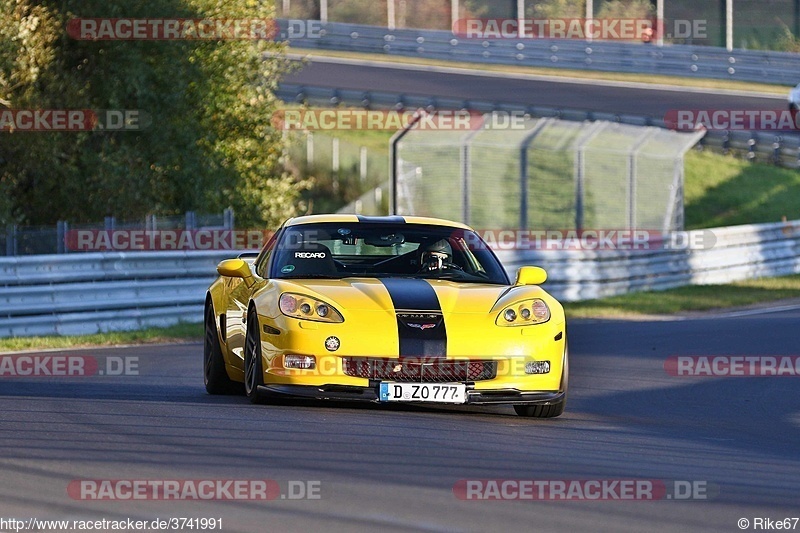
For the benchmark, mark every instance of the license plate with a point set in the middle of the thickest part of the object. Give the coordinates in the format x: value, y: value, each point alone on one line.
x: 423, y: 392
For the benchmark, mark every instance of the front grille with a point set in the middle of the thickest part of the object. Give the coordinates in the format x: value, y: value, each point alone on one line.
x: 419, y: 369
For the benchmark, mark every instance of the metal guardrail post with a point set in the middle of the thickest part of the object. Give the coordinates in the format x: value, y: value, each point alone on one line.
x: 191, y: 220
x: 228, y: 218
x: 726, y: 142
x: 751, y: 149
x: 776, y: 151
x: 109, y: 223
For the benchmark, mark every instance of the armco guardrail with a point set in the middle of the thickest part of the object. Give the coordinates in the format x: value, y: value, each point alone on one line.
x: 92, y: 292
x: 671, y: 60
x: 780, y: 149
x: 737, y: 253
x: 87, y: 293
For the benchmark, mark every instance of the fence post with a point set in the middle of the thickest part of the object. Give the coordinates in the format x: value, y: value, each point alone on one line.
x: 191, y: 220
x: 11, y: 240
x: 310, y: 149
x: 580, y: 169
x: 678, y: 215
x: 150, y: 223
x: 335, y: 154
x: 633, y: 159
x: 109, y: 223
x: 394, y: 160
x: 335, y: 164
x: 523, y: 170
x: 228, y: 218
x: 363, y: 163
x: 61, y: 236
x: 466, y: 175
x: 391, y: 21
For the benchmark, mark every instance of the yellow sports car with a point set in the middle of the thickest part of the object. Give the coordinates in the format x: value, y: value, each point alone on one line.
x: 384, y: 309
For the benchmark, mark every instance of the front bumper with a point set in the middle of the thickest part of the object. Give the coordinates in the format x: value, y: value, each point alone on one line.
x: 370, y: 394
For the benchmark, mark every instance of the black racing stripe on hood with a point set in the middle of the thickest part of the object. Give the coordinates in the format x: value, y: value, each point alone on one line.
x: 420, y: 323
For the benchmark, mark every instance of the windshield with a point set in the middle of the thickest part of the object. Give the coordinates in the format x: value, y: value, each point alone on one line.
x: 341, y: 250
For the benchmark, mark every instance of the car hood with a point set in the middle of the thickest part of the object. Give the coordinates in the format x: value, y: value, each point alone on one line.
x: 409, y: 294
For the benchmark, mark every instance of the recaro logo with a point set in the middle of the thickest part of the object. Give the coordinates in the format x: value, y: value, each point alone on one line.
x: 309, y: 255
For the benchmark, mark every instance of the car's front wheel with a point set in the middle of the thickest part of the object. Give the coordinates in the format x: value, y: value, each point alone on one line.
x: 552, y: 410
x: 214, y: 375
x: 253, y: 373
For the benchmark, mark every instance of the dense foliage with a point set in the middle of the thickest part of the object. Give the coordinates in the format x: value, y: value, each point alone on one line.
x: 210, y: 144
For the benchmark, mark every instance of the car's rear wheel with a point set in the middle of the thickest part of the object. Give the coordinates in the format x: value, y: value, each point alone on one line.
x: 253, y: 373
x: 214, y: 375
x: 552, y: 410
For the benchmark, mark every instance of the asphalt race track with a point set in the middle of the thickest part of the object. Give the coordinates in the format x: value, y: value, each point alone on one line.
x: 393, y: 469
x: 585, y: 95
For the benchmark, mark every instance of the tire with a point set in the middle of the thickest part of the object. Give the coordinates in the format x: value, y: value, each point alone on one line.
x: 553, y: 410
x: 253, y: 371
x: 215, y: 376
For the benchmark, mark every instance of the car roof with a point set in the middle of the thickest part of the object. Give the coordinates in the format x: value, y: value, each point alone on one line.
x: 395, y: 219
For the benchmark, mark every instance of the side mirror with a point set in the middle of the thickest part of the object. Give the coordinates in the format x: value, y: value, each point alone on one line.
x: 531, y: 276
x: 235, y: 268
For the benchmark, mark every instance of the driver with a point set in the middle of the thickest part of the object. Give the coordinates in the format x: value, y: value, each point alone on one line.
x: 437, y: 257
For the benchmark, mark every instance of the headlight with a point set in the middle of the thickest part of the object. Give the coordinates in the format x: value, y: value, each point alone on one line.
x: 525, y: 313
x: 308, y: 308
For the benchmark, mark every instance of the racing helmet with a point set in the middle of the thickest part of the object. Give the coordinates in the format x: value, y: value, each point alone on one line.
x: 434, y: 256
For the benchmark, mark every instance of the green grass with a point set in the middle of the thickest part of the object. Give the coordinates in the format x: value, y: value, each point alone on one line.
x: 691, y: 298
x: 179, y: 332
x: 725, y: 191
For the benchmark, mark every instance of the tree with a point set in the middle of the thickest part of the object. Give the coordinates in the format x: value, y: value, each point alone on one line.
x: 553, y: 9
x: 211, y: 143
x: 626, y: 9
